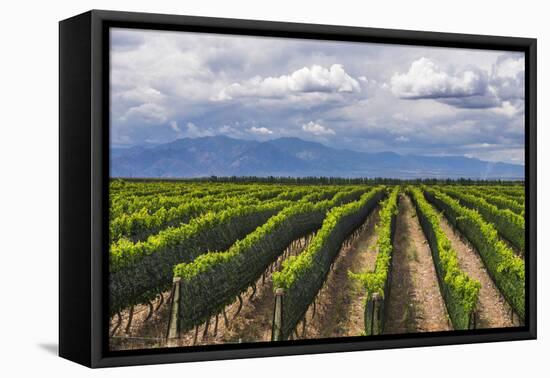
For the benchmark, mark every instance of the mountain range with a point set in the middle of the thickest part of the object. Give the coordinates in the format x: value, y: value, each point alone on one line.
x: 225, y: 156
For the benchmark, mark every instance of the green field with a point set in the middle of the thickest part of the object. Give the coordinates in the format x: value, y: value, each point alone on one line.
x: 222, y: 261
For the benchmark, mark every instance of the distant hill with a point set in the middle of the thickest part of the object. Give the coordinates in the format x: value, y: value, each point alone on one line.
x: 224, y: 156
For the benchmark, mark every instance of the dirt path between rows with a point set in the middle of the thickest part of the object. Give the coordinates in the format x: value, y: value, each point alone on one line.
x: 415, y: 303
x: 493, y: 311
x: 252, y: 324
x: 142, y: 333
x: 339, y: 306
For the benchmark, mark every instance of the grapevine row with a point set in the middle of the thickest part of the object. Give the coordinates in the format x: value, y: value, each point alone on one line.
x: 376, y: 283
x: 141, y: 224
x: 215, y: 279
x: 500, y: 201
x: 303, y: 276
x: 510, y: 225
x: 139, y: 271
x: 459, y: 291
x: 155, y: 202
x: 510, y: 193
x: 506, y: 269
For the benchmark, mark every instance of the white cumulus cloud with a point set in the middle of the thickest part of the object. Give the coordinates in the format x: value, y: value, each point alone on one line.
x: 193, y: 131
x: 260, y: 130
x: 508, y: 77
x: 317, y: 129
x: 510, y: 67
x: 174, y: 126
x: 508, y: 109
x: 139, y: 94
x: 305, y: 80
x: 148, y: 113
x: 425, y: 79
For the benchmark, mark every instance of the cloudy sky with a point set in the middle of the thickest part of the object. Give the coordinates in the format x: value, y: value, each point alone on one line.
x: 364, y: 97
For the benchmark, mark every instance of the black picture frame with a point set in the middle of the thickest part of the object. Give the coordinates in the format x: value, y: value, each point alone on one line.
x: 84, y: 173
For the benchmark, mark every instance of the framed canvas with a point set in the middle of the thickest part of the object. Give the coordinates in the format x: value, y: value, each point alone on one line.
x: 234, y: 188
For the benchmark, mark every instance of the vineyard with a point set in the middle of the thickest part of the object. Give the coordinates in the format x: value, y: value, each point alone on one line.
x: 212, y: 262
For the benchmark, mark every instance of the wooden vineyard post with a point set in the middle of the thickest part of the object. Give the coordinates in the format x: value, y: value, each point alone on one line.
x: 378, y: 301
x: 277, y: 326
x: 373, y: 316
x: 173, y: 326
x: 368, y: 317
x: 473, y: 320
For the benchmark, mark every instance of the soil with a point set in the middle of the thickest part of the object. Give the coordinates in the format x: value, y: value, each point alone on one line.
x: 251, y: 324
x: 415, y: 303
x: 493, y: 310
x: 339, y: 306
x: 142, y: 333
